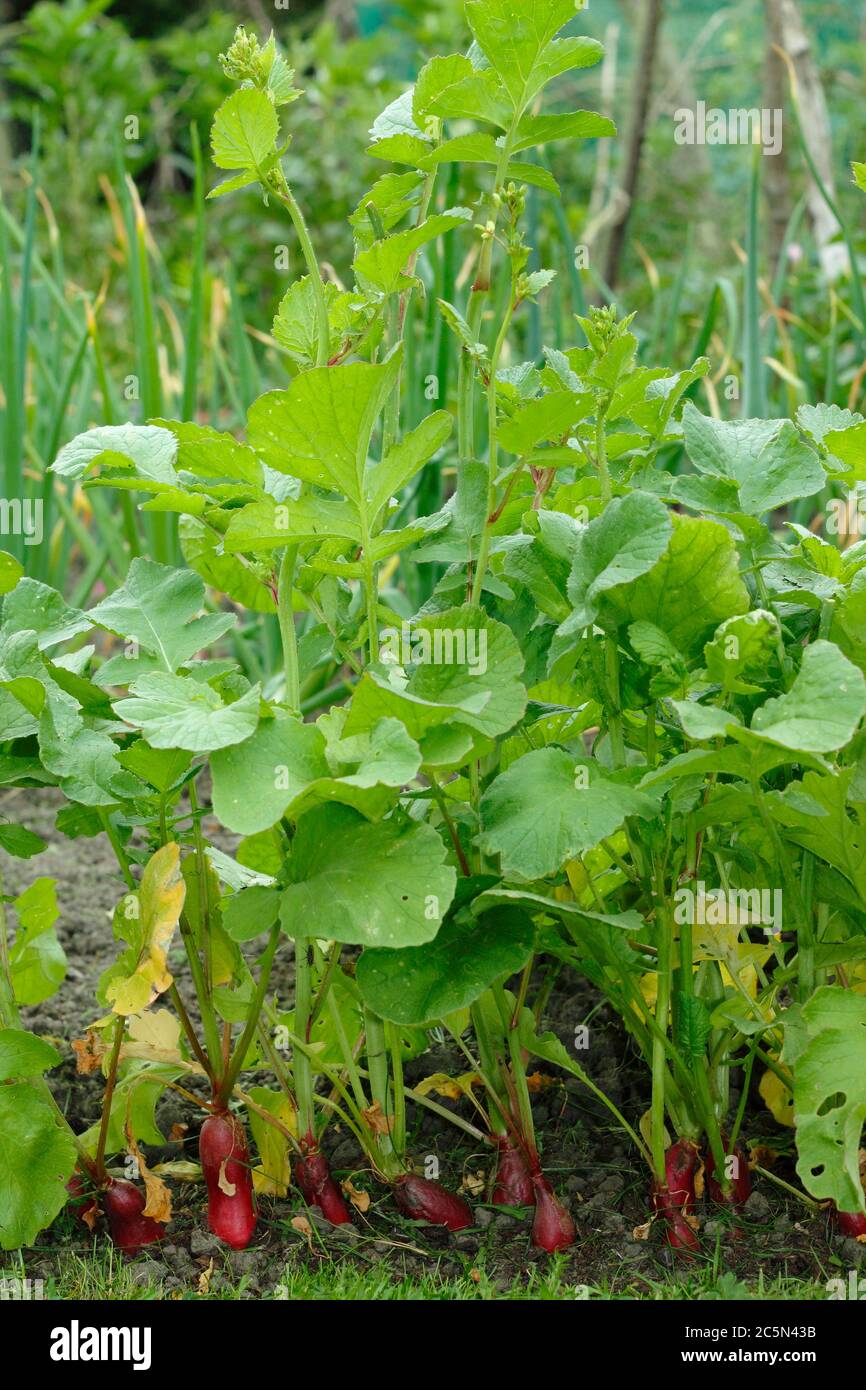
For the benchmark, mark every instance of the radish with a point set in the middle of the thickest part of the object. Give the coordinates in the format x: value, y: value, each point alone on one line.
x: 740, y: 1187
x: 675, y: 1198
x: 552, y: 1228
x: 850, y: 1223
x: 313, y: 1176
x: 225, y: 1163
x: 424, y: 1200
x: 514, y: 1187
x: 123, y: 1204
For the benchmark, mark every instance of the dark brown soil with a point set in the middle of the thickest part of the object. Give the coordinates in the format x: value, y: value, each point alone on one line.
x: 590, y: 1162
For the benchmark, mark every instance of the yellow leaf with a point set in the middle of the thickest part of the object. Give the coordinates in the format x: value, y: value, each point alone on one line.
x: 157, y: 905
x: 158, y: 1204
x: 777, y: 1098
x: 451, y: 1087
x: 356, y: 1195
x: 273, y: 1174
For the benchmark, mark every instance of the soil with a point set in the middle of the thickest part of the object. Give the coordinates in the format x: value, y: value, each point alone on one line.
x: 591, y: 1164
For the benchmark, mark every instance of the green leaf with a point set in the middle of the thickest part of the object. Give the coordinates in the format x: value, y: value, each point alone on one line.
x: 11, y: 571
x: 319, y: 430
x: 34, y: 607
x: 213, y: 454
x: 563, y: 55
x: 849, y: 447
x: 693, y: 1026
x: 177, y: 712
x: 203, y: 552
x: 514, y: 37
x: 626, y: 541
x: 384, y: 884
x: 244, y: 131
x: 702, y: 722
x: 37, y: 1157
x: 768, y: 461
x: 36, y: 960
x: 422, y: 984
x: 147, y: 449
x: 256, y: 780
x: 83, y: 759
x: 742, y: 651
x: 296, y: 326
x: 573, y: 125
x: 451, y: 87
x: 161, y: 767
x: 463, y: 662
x: 548, y: 418
x: 821, y: 711
x: 551, y: 806
x: 156, y: 608
x: 403, y: 461
x: 20, y: 842
x: 694, y: 586
x: 23, y: 1054
x: 251, y: 912
x: 384, y: 263
x: 271, y: 525
x: 827, y: 1052
x: 816, y: 815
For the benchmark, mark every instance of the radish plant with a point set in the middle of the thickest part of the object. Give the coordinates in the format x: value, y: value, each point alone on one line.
x: 623, y: 734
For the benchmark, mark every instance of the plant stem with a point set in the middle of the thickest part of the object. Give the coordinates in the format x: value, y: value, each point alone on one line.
x: 110, y: 1083
x: 492, y: 453
x: 662, y: 1009
x: 324, y: 331
x: 288, y: 633
x: 303, y: 1002
x: 236, y: 1064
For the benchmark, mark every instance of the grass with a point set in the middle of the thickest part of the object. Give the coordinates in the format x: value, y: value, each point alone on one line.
x: 323, y: 1274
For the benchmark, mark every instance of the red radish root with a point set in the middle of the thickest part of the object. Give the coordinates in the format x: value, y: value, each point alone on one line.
x: 424, y: 1200
x: 123, y: 1204
x: 850, y: 1223
x: 514, y: 1186
x: 740, y: 1185
x: 675, y: 1198
x: 225, y: 1163
x: 313, y: 1176
x: 552, y: 1228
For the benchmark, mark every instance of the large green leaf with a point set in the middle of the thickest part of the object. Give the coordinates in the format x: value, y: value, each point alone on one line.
x: 156, y: 609
x: 319, y: 430
x: 551, y: 806
x: 384, y: 884
x: 178, y: 712
x: 421, y: 984
x: 694, y: 586
x: 626, y: 541
x: 826, y: 1049
x: 288, y: 767
x: 767, y: 460
x: 821, y: 711
x: 37, y: 1157
x: 254, y: 781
